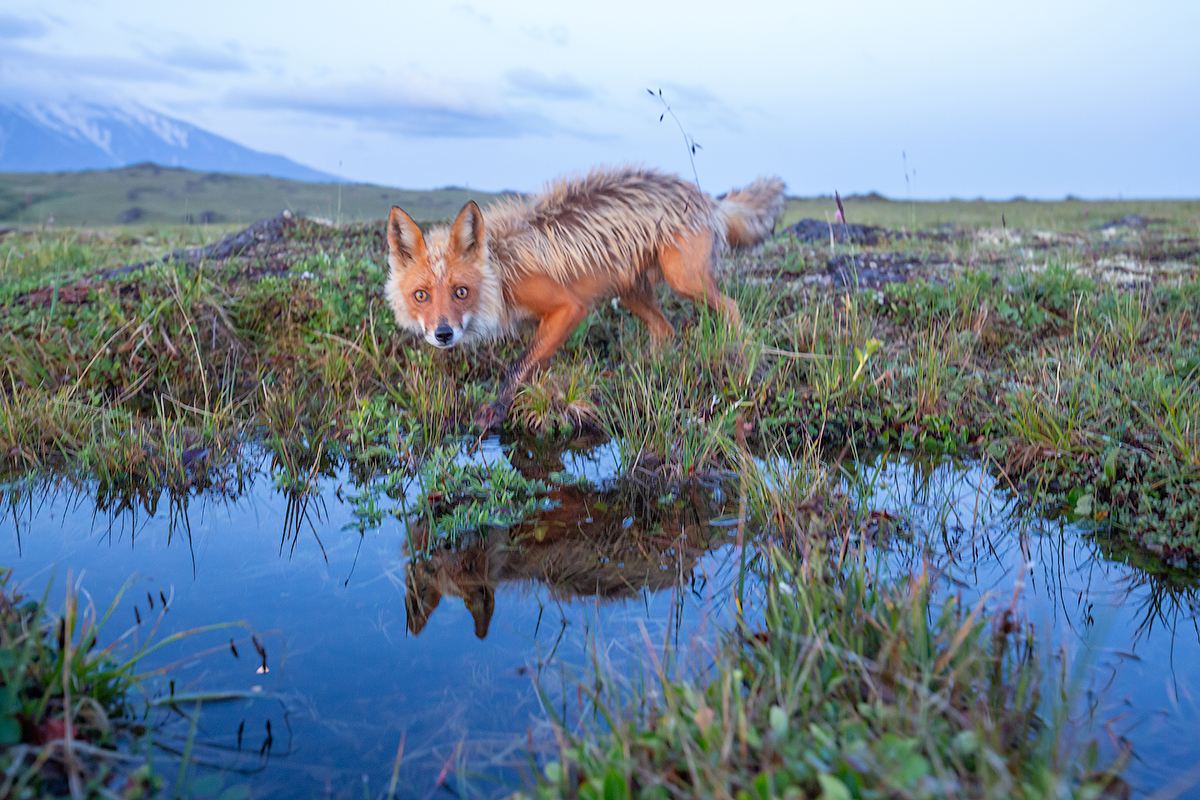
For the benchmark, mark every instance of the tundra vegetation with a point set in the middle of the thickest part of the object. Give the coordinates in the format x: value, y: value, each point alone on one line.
x: 1056, y: 349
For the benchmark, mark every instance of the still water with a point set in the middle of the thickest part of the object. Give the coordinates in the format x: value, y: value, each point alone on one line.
x: 456, y: 656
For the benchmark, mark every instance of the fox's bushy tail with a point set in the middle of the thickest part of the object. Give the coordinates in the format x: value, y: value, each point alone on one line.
x: 748, y: 215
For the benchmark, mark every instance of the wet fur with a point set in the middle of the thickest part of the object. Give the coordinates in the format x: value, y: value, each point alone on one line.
x: 615, y: 231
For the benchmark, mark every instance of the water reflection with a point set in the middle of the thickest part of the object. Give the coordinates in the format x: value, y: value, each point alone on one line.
x: 608, y: 544
x: 981, y: 539
x: 375, y: 645
x: 348, y: 678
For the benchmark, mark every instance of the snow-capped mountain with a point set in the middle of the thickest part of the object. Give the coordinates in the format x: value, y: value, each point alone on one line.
x: 59, y: 137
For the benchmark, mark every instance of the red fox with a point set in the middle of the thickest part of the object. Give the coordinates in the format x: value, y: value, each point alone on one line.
x: 617, y: 231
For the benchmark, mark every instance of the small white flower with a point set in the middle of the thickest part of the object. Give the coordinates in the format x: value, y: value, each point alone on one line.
x: 786, y: 588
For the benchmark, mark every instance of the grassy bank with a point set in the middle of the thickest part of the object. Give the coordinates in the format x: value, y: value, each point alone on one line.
x: 1065, y: 360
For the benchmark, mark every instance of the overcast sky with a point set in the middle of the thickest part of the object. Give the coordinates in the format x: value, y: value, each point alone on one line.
x: 997, y: 99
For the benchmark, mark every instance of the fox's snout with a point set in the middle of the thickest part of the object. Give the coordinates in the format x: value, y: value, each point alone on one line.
x: 444, y: 335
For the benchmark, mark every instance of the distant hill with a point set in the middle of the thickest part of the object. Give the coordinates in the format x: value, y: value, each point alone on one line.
x: 49, y: 137
x: 151, y: 194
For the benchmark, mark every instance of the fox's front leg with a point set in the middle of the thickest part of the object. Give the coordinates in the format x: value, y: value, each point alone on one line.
x: 553, y: 330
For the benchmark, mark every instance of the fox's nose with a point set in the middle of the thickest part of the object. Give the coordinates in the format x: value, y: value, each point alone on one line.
x: 444, y: 333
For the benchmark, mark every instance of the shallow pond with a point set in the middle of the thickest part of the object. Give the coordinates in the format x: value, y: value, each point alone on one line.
x: 454, y: 656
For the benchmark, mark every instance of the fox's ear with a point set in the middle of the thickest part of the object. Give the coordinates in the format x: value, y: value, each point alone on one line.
x: 482, y: 610
x: 406, y: 243
x: 421, y: 596
x: 466, y: 235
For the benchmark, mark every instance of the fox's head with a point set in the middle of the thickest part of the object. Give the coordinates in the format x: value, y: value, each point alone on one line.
x: 441, y: 285
x: 465, y: 574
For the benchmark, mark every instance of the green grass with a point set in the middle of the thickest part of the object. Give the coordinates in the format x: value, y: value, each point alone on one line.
x: 1061, y: 215
x: 1079, y: 393
x: 170, y: 196
x: 147, y: 194
x: 69, y: 709
x: 847, y: 685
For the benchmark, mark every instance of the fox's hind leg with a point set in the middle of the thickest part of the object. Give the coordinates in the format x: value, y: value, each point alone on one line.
x: 640, y: 300
x: 687, y: 266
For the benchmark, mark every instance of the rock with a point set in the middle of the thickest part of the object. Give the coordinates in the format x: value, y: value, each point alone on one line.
x: 72, y: 294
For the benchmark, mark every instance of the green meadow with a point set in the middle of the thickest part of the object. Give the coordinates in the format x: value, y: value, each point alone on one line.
x: 1072, y: 214
x: 147, y: 194
x: 1056, y: 353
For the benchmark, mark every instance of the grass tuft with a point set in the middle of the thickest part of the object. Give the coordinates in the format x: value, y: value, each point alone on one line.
x: 848, y: 685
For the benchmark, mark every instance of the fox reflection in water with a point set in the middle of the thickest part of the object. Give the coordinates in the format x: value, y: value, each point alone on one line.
x: 603, y: 545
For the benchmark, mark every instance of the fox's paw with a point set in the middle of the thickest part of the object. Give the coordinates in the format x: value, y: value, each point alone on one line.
x: 490, y: 416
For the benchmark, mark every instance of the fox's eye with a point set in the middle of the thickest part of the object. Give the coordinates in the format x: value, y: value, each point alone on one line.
x: 420, y: 295
x: 461, y: 292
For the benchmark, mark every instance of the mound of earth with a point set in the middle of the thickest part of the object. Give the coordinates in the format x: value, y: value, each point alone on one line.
x: 264, y: 231
x: 815, y: 230
x: 1127, y: 221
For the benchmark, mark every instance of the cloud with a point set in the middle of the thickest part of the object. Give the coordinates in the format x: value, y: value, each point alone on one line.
x: 204, y: 59
x: 690, y: 96
x: 555, y: 33
x: 13, y: 27
x: 472, y: 13
x: 418, y: 110
x: 17, y: 63
x: 534, y: 84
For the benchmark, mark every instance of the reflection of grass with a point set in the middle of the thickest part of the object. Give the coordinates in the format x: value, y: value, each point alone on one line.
x: 1168, y: 595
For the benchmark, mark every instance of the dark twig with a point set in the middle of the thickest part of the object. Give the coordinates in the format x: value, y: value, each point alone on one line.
x: 692, y: 146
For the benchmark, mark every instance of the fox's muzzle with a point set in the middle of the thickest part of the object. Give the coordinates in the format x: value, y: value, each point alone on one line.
x: 445, y: 335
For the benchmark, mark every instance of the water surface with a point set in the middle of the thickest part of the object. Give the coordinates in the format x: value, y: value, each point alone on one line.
x: 367, y: 646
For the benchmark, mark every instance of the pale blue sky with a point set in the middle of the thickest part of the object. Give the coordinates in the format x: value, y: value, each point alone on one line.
x: 1040, y: 99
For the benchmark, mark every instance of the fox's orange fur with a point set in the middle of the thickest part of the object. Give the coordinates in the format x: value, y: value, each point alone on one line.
x: 616, y: 231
